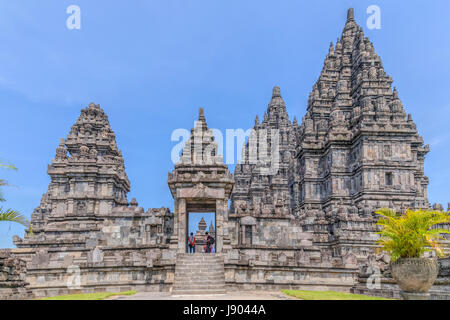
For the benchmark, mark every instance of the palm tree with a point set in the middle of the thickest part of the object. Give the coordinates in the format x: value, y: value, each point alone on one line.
x: 9, y: 214
x: 13, y: 216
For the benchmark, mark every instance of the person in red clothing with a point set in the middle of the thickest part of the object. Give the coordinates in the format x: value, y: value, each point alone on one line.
x: 191, y: 243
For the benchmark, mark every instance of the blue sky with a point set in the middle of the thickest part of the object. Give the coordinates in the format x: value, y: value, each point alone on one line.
x: 195, y: 217
x: 152, y: 64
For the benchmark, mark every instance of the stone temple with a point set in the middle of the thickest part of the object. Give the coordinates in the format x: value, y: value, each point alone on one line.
x: 301, y: 218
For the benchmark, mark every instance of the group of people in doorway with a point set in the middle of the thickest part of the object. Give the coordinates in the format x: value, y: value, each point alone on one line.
x: 207, y: 248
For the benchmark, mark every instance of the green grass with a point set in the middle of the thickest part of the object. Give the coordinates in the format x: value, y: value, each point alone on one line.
x: 328, y: 295
x: 91, y: 296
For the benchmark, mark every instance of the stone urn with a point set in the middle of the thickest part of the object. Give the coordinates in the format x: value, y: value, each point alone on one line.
x: 415, y: 276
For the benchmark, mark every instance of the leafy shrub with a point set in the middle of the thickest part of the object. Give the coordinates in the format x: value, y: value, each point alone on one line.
x: 411, y: 234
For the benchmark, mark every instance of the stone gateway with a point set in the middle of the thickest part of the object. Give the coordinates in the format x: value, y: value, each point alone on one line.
x: 307, y: 224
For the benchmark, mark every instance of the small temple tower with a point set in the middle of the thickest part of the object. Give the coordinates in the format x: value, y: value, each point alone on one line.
x: 212, y: 230
x: 200, y: 235
x: 200, y: 182
x: 87, y: 181
x: 262, y: 189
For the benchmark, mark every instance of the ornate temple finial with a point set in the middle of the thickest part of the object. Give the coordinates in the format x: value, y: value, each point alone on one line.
x: 295, y: 122
x: 276, y: 92
x: 202, y: 224
x: 61, y: 151
x: 201, y: 115
x: 395, y: 93
x: 133, y: 202
x: 350, y: 14
x: 256, y: 120
x: 331, y: 49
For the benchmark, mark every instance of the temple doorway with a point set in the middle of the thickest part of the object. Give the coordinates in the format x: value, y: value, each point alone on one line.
x: 200, y: 183
x: 200, y: 225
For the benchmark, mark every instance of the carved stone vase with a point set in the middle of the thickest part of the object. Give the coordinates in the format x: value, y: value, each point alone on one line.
x: 414, y: 276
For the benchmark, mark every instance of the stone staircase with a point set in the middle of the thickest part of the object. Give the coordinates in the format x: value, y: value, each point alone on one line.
x: 199, y: 273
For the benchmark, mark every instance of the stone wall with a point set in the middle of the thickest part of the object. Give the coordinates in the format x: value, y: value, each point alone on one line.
x: 129, y: 250
x: 384, y: 286
x: 13, y: 283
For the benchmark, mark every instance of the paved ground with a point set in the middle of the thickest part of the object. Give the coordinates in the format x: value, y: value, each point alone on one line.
x: 238, y: 295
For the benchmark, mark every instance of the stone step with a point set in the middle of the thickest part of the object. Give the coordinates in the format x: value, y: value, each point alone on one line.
x: 218, y: 275
x: 198, y: 281
x: 199, y: 257
x: 197, y: 286
x: 193, y: 284
x: 200, y: 277
x: 198, y: 292
x: 200, y: 265
x: 201, y: 261
x: 199, y: 274
x: 199, y: 270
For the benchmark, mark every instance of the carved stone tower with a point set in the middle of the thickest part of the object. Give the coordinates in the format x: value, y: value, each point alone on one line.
x: 88, y: 181
x: 262, y: 178
x: 357, y: 149
x: 200, y: 182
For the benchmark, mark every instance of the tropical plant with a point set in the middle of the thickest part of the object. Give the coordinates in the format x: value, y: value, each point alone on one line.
x: 3, y: 182
x: 413, y: 233
x: 13, y: 216
x: 9, y: 214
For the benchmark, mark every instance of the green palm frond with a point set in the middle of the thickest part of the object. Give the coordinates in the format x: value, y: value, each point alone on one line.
x: 7, y: 166
x: 4, y: 182
x: 13, y: 216
x: 9, y: 214
x: 411, y: 234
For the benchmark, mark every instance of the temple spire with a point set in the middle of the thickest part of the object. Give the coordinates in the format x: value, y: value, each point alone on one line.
x: 201, y: 115
x: 202, y: 225
x: 276, y: 100
x: 200, y: 148
x: 276, y: 92
x: 331, y: 49
x: 350, y: 14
